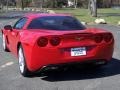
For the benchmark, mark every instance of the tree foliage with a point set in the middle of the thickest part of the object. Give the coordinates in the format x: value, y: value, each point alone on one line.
x: 91, y: 4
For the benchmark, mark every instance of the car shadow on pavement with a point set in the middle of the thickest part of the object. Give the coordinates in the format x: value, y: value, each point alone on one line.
x: 111, y: 69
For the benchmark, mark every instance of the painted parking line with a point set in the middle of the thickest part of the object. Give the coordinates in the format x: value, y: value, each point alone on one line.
x: 6, y: 65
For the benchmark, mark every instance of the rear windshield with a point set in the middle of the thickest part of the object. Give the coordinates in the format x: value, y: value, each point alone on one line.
x: 56, y: 23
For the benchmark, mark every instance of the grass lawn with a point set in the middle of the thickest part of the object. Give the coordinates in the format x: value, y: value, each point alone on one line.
x: 112, y: 16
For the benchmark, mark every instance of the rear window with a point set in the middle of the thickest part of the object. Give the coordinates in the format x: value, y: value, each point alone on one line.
x: 56, y: 23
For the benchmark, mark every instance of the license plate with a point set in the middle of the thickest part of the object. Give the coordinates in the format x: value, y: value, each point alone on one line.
x: 78, y: 51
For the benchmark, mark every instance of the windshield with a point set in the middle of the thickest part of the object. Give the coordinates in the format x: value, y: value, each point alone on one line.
x: 56, y: 23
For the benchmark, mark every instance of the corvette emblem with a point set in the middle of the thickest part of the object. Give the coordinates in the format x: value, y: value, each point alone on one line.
x: 78, y: 38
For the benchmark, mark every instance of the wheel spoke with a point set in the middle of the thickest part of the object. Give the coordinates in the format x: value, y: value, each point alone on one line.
x: 21, y: 61
x: 4, y: 45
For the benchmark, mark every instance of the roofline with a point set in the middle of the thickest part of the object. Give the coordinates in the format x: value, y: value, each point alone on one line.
x: 35, y: 15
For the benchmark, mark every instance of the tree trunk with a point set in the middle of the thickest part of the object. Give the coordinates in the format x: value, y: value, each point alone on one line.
x: 75, y: 2
x: 1, y: 6
x: 93, y: 7
x: 7, y: 5
x: 22, y: 4
x: 41, y: 4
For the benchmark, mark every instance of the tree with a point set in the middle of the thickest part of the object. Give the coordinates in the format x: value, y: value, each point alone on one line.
x: 1, y: 5
x: 5, y: 3
x: 93, y: 7
x: 25, y: 3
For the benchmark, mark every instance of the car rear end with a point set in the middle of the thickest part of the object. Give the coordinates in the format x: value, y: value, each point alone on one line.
x: 71, y: 48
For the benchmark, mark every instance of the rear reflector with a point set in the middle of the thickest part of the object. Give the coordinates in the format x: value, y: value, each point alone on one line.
x: 42, y: 42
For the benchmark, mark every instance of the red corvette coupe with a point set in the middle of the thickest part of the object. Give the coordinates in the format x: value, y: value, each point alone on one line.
x: 48, y: 40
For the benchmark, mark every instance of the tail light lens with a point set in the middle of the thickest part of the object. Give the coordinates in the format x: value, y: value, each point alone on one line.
x: 98, y: 38
x: 42, y: 42
x: 108, y: 37
x: 55, y: 41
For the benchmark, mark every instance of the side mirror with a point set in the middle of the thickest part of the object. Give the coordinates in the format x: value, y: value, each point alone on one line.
x: 8, y: 27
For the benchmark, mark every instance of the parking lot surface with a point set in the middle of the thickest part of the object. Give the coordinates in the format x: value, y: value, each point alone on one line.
x: 104, y: 78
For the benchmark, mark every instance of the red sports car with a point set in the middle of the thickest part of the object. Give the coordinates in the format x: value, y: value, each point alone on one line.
x: 49, y: 40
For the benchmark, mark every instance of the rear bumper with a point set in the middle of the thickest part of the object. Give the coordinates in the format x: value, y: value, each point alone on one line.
x: 73, y: 65
x: 40, y: 57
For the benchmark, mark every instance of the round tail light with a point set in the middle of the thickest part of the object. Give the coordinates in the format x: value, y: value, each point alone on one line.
x: 98, y: 38
x: 42, y: 42
x: 108, y: 37
x: 55, y: 41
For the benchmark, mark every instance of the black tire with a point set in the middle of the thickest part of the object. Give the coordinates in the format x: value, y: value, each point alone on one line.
x: 5, y: 48
x: 22, y: 63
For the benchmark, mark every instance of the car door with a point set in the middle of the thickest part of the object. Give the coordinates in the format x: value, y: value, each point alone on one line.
x: 13, y: 35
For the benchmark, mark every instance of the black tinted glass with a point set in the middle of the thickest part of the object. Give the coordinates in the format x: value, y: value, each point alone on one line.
x: 20, y: 23
x: 56, y: 23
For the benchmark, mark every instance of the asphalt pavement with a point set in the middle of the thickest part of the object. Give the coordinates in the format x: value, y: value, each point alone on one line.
x: 104, y: 78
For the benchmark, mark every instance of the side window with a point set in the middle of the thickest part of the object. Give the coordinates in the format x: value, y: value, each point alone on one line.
x: 20, y: 23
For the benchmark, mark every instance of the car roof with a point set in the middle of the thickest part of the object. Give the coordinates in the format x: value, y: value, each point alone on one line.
x: 36, y: 15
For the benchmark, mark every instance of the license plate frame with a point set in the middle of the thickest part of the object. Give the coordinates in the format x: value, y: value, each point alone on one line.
x: 80, y: 51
